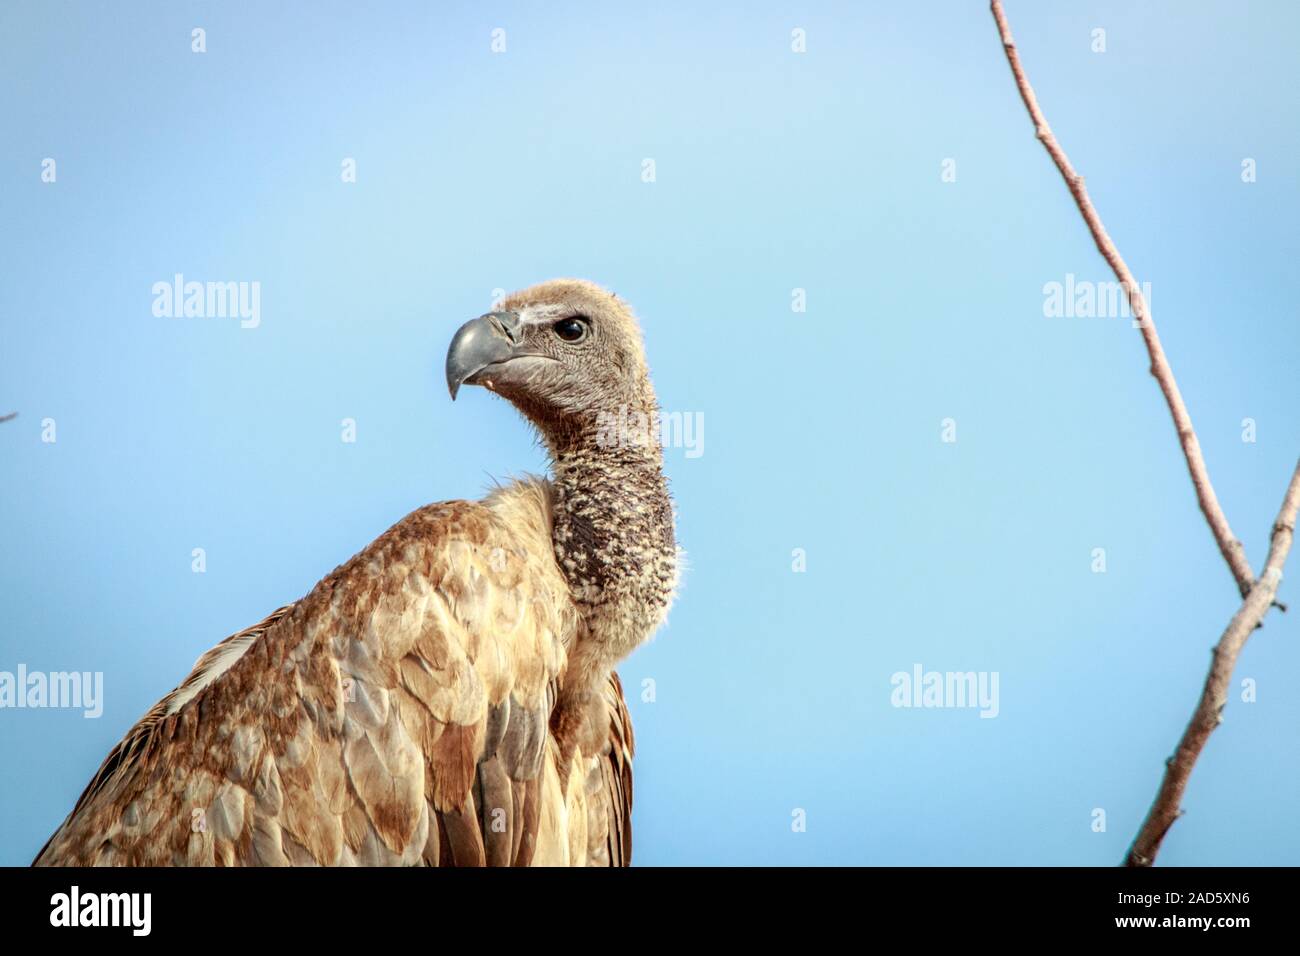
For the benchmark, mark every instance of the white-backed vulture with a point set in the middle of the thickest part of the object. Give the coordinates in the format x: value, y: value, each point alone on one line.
x: 448, y: 695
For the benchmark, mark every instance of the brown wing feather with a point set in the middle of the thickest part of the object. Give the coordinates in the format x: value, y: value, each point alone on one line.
x: 396, y: 715
x: 609, y: 786
x: 123, y: 756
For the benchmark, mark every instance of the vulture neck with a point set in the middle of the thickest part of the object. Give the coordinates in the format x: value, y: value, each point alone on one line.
x: 613, y: 527
x: 612, y: 530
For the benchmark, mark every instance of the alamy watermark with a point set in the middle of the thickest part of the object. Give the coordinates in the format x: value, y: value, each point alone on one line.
x: 83, y: 690
x: 626, y: 428
x: 130, y: 910
x: 946, y: 689
x: 208, y: 300
x: 1085, y: 299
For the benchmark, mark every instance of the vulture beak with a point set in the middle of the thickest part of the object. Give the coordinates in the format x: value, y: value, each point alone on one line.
x: 488, y: 340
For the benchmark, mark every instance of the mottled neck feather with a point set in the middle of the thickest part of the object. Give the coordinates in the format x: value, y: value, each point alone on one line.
x: 613, y: 517
x: 612, y: 529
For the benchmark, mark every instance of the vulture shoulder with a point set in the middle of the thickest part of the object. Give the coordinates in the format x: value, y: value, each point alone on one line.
x: 397, y: 715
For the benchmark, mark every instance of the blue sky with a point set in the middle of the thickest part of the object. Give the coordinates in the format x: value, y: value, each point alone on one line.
x: 775, y: 171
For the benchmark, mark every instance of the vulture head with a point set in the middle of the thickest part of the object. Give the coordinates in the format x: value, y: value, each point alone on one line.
x: 568, y: 355
x: 561, y: 352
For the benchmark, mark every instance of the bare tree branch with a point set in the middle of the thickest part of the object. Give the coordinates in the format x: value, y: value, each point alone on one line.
x: 1258, y: 595
x: 1229, y: 546
x: 1214, y: 696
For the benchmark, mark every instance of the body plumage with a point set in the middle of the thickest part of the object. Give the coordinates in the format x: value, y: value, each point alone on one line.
x: 447, y: 696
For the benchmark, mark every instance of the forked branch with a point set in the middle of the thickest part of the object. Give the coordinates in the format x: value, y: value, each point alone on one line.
x: 1257, y: 595
x: 1208, y: 715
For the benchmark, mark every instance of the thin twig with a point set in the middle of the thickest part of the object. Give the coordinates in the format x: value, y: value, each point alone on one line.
x: 1166, y: 808
x: 1231, y: 548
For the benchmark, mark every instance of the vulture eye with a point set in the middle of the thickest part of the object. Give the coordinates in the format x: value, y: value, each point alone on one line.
x: 572, y: 329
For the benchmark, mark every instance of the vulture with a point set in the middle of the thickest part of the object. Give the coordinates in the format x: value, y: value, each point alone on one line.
x: 448, y: 696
